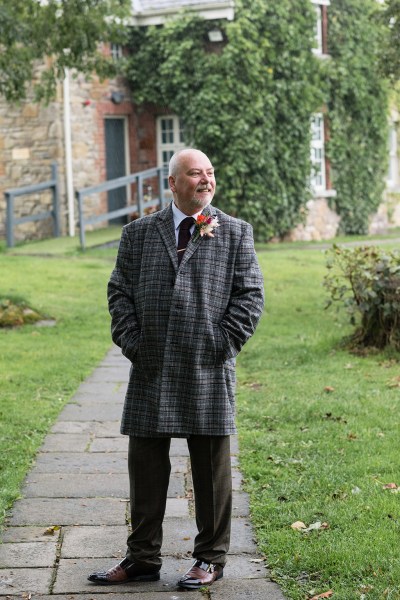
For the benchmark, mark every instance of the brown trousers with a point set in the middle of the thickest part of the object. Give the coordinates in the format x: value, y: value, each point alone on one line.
x: 149, y: 470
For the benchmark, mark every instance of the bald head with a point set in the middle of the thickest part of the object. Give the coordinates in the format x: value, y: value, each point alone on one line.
x: 181, y: 156
x: 191, y: 179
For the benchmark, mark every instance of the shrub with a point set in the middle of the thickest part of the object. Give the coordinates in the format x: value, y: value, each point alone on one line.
x: 366, y: 280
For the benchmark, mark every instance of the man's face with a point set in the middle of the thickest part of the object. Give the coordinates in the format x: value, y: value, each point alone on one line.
x: 193, y: 184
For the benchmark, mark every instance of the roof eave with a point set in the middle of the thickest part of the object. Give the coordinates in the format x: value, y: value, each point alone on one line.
x: 209, y: 12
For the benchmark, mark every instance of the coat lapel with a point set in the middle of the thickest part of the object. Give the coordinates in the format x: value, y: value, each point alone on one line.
x: 194, y: 244
x: 165, y: 226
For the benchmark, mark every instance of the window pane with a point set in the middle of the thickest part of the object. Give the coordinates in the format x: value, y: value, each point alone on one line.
x: 170, y: 140
x: 317, y: 153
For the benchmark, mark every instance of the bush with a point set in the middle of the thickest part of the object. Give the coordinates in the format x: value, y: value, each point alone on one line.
x: 366, y: 280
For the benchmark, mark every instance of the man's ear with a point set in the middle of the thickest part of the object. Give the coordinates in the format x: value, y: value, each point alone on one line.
x: 171, y: 181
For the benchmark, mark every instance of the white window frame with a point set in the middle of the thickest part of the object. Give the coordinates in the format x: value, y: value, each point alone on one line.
x: 393, y: 167
x: 318, y: 49
x: 317, y: 152
x: 318, y: 4
x: 116, y: 52
x: 169, y: 141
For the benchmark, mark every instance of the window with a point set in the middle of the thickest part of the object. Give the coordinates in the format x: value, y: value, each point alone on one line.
x: 318, y: 173
x: 318, y: 30
x: 320, y: 27
x: 170, y: 139
x: 393, y: 171
x: 116, y: 52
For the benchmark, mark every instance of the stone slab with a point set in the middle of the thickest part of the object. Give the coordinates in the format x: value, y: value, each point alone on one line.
x: 179, y: 447
x: 72, y: 485
x: 108, y: 428
x: 19, y: 581
x: 110, y: 444
x: 89, y: 485
x: 240, y: 504
x: 179, y: 534
x: 66, y: 511
x: 92, y: 412
x: 111, y: 390
x: 259, y: 589
x: 92, y: 542
x: 177, y: 507
x: 81, y: 462
x: 72, y: 574
x: 66, y: 442
x: 234, y: 445
x: 242, y: 538
x: 137, y: 595
x: 179, y: 464
x: 28, y: 554
x: 93, y: 400
x: 111, y: 374
x: 73, y: 427
x: 237, y: 480
x: 28, y: 534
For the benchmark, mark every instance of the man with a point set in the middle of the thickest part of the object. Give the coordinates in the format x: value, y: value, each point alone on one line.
x: 181, y: 310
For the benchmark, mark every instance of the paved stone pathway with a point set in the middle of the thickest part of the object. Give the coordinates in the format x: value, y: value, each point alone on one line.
x: 79, y: 484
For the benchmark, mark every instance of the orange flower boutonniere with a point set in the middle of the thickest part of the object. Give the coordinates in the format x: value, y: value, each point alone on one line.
x: 205, y: 226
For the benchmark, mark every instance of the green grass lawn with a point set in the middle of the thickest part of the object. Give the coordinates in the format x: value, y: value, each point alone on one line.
x: 41, y: 367
x: 319, y: 433
x: 318, y: 426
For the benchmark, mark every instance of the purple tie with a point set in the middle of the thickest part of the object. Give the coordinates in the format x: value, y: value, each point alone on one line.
x: 184, y: 236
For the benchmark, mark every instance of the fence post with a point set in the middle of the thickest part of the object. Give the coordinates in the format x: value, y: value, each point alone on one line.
x: 56, y: 200
x: 10, y: 219
x: 139, y: 186
x: 160, y: 173
x: 81, y: 219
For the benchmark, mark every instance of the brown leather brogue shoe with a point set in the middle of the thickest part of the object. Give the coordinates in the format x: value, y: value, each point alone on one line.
x: 124, y: 572
x: 201, y: 574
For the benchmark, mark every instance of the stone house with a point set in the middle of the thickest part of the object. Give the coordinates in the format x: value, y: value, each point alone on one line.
x: 94, y: 132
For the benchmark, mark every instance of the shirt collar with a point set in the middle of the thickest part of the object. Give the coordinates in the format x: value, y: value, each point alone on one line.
x: 179, y: 215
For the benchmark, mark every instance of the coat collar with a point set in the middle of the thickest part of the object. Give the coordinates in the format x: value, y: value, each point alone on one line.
x: 166, y: 227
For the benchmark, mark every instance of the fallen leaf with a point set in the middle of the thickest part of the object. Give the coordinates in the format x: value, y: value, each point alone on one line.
x: 324, y: 595
x: 51, y: 530
x: 390, y: 486
x: 316, y: 525
x: 255, y: 386
x: 26, y: 595
x: 298, y: 525
x: 186, y: 538
x: 351, y: 436
x: 329, y: 389
x: 256, y: 560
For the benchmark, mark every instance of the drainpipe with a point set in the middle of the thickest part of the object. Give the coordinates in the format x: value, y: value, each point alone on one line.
x: 68, y: 156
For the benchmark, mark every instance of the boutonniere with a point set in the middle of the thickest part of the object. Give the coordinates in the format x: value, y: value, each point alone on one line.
x: 205, y: 226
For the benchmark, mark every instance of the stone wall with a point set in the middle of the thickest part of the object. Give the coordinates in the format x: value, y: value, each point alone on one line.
x: 30, y: 140
x: 32, y: 137
x: 322, y: 223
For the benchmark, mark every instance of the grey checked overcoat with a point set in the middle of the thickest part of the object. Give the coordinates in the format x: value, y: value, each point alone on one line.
x: 181, y: 328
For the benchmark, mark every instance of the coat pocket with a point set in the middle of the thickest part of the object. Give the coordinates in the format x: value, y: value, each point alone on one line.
x: 130, y: 343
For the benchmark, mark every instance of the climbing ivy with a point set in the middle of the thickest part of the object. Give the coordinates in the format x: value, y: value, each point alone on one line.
x: 358, y: 105
x: 246, y: 103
